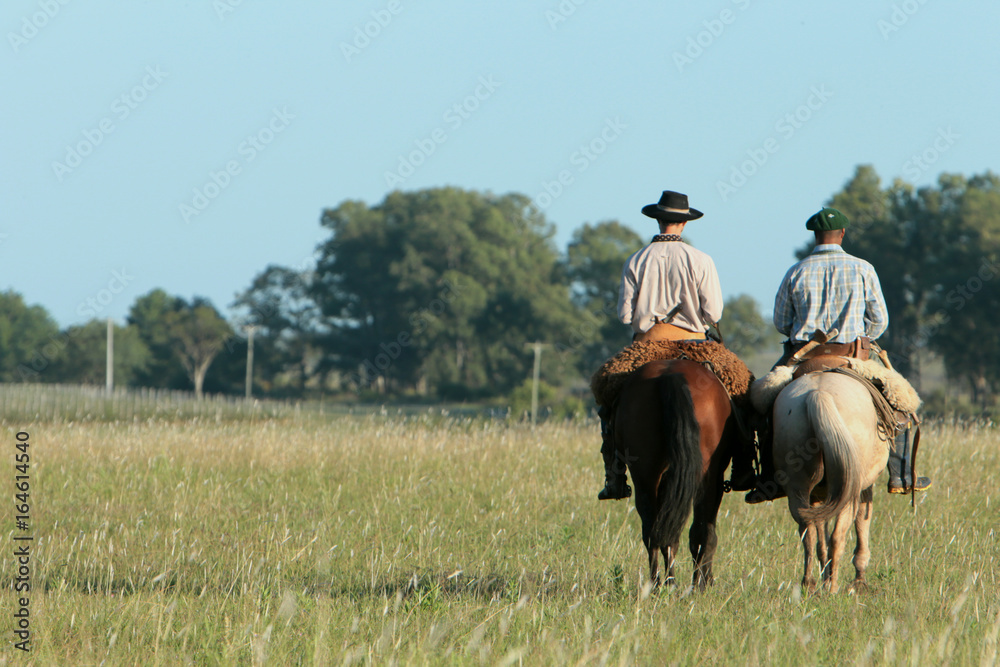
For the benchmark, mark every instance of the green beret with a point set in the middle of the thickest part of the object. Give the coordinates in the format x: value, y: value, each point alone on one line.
x: 827, y: 220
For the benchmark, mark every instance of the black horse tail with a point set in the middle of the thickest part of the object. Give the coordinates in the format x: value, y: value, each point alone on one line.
x: 681, y: 480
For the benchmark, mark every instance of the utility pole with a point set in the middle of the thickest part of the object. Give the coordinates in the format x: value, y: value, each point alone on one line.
x: 537, y: 347
x: 109, y: 369
x: 249, y: 381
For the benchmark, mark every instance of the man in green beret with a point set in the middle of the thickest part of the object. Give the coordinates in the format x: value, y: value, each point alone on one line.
x: 828, y: 290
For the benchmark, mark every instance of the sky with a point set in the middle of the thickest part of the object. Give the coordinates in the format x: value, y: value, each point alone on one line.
x: 188, y: 145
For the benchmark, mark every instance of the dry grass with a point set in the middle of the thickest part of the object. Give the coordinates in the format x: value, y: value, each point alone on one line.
x: 427, y: 540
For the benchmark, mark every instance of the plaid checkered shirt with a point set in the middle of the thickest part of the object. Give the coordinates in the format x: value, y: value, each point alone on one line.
x: 828, y: 289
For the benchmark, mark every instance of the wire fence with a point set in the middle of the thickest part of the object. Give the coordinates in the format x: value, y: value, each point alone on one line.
x: 42, y: 403
x: 53, y: 402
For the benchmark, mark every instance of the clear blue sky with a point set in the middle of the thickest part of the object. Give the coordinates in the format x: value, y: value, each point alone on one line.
x: 116, y: 113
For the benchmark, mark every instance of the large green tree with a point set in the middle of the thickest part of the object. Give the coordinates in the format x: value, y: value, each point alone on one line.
x: 287, y: 322
x: 149, y: 314
x: 439, y: 289
x: 183, y: 338
x: 30, y: 342
x: 744, y: 329
x: 85, y: 360
x: 964, y: 321
x: 936, y: 250
x: 594, y: 260
x: 198, y: 334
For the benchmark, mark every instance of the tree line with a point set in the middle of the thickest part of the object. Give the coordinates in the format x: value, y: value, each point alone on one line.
x: 440, y: 294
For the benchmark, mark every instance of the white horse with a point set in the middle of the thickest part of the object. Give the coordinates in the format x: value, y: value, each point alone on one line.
x: 827, y: 455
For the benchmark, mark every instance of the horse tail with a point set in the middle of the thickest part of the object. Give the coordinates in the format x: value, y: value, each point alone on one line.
x: 680, y: 481
x: 840, y: 458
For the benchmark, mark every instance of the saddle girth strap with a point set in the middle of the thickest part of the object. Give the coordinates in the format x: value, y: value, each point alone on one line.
x: 745, y: 431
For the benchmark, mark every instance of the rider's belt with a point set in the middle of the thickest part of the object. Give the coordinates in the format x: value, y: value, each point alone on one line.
x: 664, y: 331
x: 859, y: 348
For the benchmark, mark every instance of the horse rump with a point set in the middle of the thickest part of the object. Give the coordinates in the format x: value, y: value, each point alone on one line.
x: 841, y: 467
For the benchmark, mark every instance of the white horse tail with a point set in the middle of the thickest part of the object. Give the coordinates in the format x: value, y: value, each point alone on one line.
x: 840, y: 458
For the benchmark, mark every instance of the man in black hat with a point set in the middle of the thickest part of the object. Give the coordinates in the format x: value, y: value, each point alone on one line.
x: 669, y: 291
x: 828, y: 290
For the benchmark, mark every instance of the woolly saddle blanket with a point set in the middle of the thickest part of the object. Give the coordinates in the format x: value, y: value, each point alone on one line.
x: 607, y: 382
x: 897, y: 390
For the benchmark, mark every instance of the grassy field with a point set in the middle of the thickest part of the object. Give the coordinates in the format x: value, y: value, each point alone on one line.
x: 430, y: 540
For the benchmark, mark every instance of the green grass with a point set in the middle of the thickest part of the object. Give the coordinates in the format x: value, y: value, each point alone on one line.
x: 388, y: 540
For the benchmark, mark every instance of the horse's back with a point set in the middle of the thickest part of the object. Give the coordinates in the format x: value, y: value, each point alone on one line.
x: 849, y: 395
x: 709, y: 396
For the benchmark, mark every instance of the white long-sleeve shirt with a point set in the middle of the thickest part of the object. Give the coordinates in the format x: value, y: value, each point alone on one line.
x: 662, y: 276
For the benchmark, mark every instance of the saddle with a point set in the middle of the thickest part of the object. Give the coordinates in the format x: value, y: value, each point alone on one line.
x: 607, y: 382
x: 817, y: 356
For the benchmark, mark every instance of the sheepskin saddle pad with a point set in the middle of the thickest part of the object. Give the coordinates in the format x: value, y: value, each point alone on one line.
x: 896, y: 389
x: 607, y: 382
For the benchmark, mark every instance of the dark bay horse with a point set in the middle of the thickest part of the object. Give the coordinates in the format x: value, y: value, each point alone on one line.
x: 676, y: 429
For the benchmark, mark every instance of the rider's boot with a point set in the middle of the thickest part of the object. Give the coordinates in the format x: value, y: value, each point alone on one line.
x: 767, y: 488
x: 900, y: 480
x: 615, y: 486
x: 742, y: 477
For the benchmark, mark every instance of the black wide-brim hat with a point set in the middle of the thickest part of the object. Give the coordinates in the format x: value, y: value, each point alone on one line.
x: 672, y: 207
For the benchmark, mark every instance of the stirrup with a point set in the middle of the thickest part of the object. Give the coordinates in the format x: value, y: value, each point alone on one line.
x: 923, y: 483
x: 607, y: 493
x: 759, y: 495
x: 744, y: 481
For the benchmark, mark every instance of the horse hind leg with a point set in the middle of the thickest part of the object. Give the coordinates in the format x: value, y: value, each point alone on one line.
x: 645, y: 507
x: 654, y: 565
x: 823, y: 550
x: 702, y: 552
x: 862, y: 551
x: 838, y: 539
x: 669, y: 558
x: 703, y: 539
x: 807, y: 534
